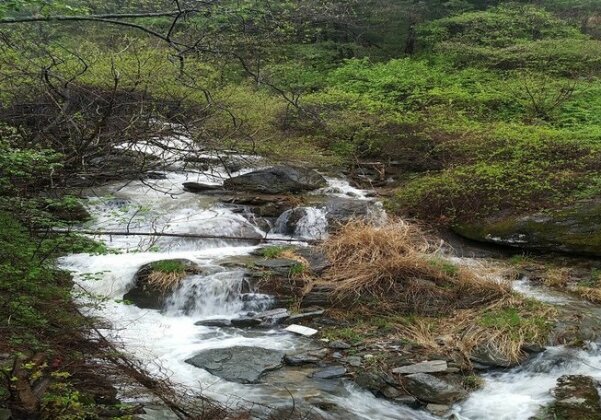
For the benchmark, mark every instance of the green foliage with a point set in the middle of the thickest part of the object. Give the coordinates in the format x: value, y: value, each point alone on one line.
x: 273, y: 251
x: 169, y: 266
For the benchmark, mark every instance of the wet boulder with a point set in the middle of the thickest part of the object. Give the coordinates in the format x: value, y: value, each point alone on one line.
x: 576, y: 397
x: 431, y: 389
x: 575, y: 229
x: 489, y: 357
x: 199, y: 187
x: 245, y: 365
x: 341, y: 210
x: 277, y: 180
x: 153, y: 282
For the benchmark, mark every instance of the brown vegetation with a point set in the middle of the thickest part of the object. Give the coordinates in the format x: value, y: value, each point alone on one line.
x: 396, y: 266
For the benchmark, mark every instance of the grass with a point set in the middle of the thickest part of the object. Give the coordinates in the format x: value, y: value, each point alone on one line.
x: 396, y: 267
x: 166, y: 274
x: 504, y: 327
x: 399, y: 285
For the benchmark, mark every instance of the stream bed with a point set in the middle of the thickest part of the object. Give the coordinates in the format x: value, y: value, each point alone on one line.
x: 165, y: 339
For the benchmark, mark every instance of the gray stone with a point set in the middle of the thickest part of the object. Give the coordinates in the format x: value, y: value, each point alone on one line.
x: 197, y: 187
x: 304, y: 316
x: 240, y: 364
x: 431, y: 366
x: 273, y: 316
x: 147, y: 296
x: 354, y: 361
x: 489, y: 356
x: 575, y: 229
x: 438, y: 409
x: 245, y: 322
x: 339, y: 345
x: 277, y: 180
x: 331, y: 372
x: 214, y: 323
x: 576, y: 397
x: 275, y: 263
x: 301, y: 359
x: 428, y: 388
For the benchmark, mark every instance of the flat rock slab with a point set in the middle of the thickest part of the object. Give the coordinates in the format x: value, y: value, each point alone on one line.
x: 214, y: 323
x: 301, y: 330
x: 431, y: 366
x: 330, y: 372
x: 276, y: 263
x: 242, y: 364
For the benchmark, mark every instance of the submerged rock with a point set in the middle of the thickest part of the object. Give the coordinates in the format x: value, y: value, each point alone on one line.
x: 576, y: 397
x: 575, y: 229
x: 147, y: 295
x: 431, y: 389
x: 245, y: 365
x: 277, y: 180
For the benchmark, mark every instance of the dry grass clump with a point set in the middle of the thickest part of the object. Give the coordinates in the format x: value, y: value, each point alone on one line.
x: 398, y: 268
x: 165, y: 281
x: 557, y: 277
x: 502, y: 328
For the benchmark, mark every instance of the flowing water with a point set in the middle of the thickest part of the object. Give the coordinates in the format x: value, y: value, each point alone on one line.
x: 164, y: 339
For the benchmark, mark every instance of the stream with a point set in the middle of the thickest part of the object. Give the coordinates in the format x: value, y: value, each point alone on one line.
x: 163, y: 340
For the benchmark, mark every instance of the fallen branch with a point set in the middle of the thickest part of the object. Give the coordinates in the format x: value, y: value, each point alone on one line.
x: 176, y: 235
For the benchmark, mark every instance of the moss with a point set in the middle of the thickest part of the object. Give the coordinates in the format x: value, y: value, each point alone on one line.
x: 169, y: 266
x: 574, y: 229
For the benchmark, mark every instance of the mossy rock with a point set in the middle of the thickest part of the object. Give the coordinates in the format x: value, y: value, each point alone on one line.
x: 144, y: 294
x: 576, y: 397
x: 575, y: 229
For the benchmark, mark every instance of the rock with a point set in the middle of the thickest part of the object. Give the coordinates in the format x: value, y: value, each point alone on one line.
x: 317, y: 260
x: 575, y: 229
x: 431, y: 389
x: 288, y: 221
x: 72, y: 211
x: 273, y: 316
x: 5, y: 414
x: 240, y: 364
x: 391, y: 392
x: 214, y: 323
x: 304, y: 316
x: 532, y: 348
x: 147, y: 296
x: 156, y: 175
x: 490, y: 357
x: 196, y: 187
x: 576, y: 397
x: 354, y: 361
x: 407, y: 400
x: 331, y: 372
x: 339, y: 345
x: 438, y: 409
x: 342, y: 210
x: 431, y: 366
x: 277, y: 263
x: 277, y: 180
x: 299, y: 329
x: 337, y: 355
x: 246, y: 322
x: 301, y: 359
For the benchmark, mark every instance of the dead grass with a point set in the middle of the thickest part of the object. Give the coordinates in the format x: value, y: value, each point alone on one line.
x: 396, y: 268
x: 503, y: 327
x: 165, y: 281
x: 557, y: 277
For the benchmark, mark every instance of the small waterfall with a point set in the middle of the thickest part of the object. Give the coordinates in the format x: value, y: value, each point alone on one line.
x: 220, y: 294
x: 303, y: 222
